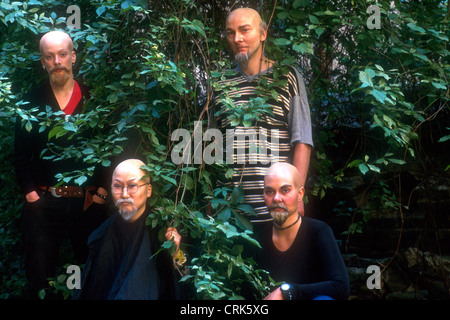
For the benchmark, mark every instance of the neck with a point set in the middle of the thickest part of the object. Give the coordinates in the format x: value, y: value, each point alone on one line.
x: 67, y: 87
x: 257, y: 64
x: 137, y: 215
x: 290, y: 225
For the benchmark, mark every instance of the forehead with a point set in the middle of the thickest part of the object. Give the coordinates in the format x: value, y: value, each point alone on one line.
x: 127, y: 173
x: 55, y: 43
x: 278, y: 179
x: 241, y: 18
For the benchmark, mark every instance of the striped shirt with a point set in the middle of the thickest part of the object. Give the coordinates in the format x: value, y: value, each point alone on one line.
x: 261, y: 139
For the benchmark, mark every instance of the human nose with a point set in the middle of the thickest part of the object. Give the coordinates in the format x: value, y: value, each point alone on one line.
x: 57, y: 59
x: 125, y: 193
x: 237, y: 37
x: 277, y: 197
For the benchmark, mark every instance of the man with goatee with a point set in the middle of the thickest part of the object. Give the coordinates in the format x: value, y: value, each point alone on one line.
x: 284, y: 133
x: 299, y: 251
x: 125, y: 259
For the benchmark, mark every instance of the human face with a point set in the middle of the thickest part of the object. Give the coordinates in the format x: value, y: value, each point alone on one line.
x: 244, y: 35
x: 130, y: 205
x: 57, y: 57
x: 281, y: 196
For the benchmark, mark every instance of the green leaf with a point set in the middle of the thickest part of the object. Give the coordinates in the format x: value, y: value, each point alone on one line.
x: 414, y: 27
x: 365, y: 78
x: 373, y: 168
x: 379, y: 95
x: 229, y: 230
x: 363, y: 168
x: 397, y: 161
x: 224, y: 215
x: 319, y: 31
x: 313, y: 19
x: 438, y: 85
x: 281, y: 42
x: 444, y: 138
x: 100, y: 10
x: 80, y: 180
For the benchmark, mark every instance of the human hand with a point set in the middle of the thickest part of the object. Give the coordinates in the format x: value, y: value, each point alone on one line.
x: 32, y: 196
x: 97, y: 199
x: 275, y: 295
x: 172, y: 234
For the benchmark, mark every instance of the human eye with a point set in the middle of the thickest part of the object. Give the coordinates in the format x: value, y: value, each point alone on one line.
x: 133, y: 188
x: 117, y: 188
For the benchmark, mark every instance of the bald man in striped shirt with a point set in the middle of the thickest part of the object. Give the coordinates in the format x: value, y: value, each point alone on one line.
x: 282, y: 134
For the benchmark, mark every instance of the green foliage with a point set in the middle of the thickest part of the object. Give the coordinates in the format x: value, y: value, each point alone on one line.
x: 153, y: 67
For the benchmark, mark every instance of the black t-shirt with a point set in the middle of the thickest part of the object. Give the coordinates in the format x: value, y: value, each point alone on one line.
x: 313, y: 263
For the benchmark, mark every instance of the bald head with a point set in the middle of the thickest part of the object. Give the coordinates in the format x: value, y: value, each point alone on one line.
x: 56, y: 37
x: 131, y: 166
x: 286, y: 171
x: 130, y: 189
x: 251, y: 14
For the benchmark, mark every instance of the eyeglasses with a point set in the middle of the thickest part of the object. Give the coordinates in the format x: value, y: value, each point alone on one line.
x: 131, y: 189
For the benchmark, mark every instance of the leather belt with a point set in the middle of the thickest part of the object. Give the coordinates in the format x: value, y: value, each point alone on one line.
x: 72, y: 192
x: 65, y: 191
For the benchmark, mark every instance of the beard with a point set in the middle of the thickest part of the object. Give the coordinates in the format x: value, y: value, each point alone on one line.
x: 125, y: 213
x: 242, y: 58
x: 57, y: 78
x: 279, y: 217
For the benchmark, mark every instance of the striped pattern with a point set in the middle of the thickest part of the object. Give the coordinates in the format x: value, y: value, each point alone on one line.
x: 251, y: 150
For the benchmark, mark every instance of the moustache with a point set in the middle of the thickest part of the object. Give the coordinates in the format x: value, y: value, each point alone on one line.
x: 58, y: 68
x: 277, y: 206
x: 126, y: 201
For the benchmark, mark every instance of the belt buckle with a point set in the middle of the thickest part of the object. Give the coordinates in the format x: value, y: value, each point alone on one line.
x: 53, y: 192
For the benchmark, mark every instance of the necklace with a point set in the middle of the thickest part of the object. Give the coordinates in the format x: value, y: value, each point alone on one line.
x: 284, y: 228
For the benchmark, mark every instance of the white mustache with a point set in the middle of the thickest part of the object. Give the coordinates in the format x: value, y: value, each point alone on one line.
x: 121, y: 201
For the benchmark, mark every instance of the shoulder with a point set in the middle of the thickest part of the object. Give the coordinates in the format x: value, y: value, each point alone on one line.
x: 99, y: 233
x: 229, y: 74
x: 83, y: 88
x: 317, y: 226
x: 37, y: 95
x: 295, y: 77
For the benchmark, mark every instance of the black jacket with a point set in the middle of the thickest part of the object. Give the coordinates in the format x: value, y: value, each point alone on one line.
x: 125, y: 263
x: 32, y: 168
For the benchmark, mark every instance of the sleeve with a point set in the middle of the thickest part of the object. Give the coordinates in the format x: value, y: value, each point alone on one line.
x: 22, y: 158
x: 336, y: 282
x: 299, y: 118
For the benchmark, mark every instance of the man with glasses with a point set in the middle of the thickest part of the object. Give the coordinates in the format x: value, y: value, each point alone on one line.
x: 124, y: 262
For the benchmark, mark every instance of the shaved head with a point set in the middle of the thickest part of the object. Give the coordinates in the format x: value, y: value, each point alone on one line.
x: 130, y: 189
x: 132, y: 165
x: 249, y: 12
x: 284, y: 169
x: 282, y: 192
x: 58, y: 37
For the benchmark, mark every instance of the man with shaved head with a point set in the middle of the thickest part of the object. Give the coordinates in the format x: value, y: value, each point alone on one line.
x: 283, y: 134
x: 297, y: 250
x: 54, y: 209
x: 125, y: 261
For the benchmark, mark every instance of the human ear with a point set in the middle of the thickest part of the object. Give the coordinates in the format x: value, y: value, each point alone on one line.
x: 149, y: 190
x: 263, y: 35
x: 301, y: 193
